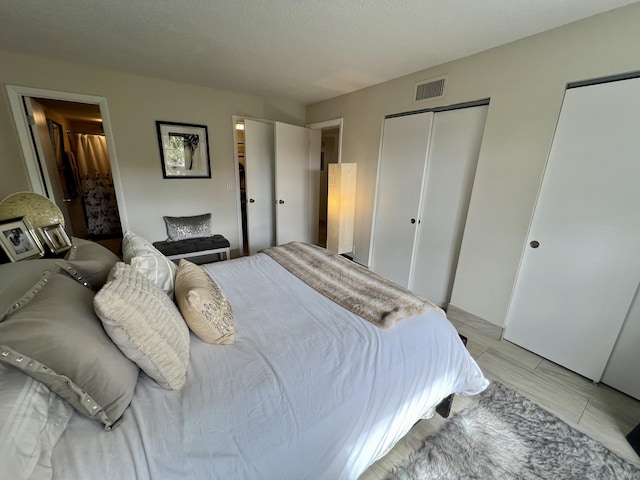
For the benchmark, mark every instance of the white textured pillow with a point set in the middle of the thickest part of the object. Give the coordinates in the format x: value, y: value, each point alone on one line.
x: 204, y: 305
x: 148, y: 260
x: 32, y: 419
x: 145, y: 324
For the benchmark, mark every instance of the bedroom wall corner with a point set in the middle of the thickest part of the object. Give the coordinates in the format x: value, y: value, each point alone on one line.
x: 525, y: 81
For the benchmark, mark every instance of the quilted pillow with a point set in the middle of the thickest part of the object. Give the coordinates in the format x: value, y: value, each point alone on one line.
x: 149, y: 261
x: 145, y: 324
x: 52, y: 334
x: 182, y: 228
x: 204, y: 305
x: 32, y: 418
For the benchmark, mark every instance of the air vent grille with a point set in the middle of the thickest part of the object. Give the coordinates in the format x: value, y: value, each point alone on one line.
x: 429, y: 90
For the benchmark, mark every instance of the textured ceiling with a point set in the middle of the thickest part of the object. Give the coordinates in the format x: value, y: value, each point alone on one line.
x: 305, y: 50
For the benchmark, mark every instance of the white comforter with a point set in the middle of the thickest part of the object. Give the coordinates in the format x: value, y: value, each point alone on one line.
x: 309, y: 390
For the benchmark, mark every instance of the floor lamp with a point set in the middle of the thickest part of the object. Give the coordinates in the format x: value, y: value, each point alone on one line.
x: 341, y: 207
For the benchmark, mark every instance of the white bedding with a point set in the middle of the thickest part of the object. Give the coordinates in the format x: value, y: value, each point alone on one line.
x: 309, y: 390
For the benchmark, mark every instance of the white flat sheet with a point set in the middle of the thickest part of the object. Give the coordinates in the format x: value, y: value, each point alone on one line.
x: 309, y: 390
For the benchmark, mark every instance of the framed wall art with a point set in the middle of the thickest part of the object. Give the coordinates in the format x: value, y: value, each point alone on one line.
x: 184, y: 150
x: 18, y: 239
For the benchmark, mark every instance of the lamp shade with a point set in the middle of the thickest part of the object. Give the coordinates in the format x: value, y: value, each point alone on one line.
x: 341, y: 206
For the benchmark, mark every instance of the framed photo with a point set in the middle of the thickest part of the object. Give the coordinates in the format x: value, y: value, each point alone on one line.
x: 184, y: 150
x: 55, y: 238
x: 18, y: 239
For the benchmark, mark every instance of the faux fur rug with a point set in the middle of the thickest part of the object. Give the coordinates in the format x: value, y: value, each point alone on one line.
x: 506, y: 436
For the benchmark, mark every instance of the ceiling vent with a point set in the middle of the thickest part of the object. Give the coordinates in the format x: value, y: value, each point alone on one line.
x: 429, y: 89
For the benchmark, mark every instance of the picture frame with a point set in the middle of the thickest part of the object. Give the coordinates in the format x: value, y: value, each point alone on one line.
x: 184, y: 150
x: 19, y: 240
x: 55, y: 238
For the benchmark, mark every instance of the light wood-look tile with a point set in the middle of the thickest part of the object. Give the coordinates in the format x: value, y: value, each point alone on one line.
x: 594, y: 409
x: 479, y: 342
x: 602, y: 426
x: 565, y: 404
x: 476, y: 322
x: 621, y: 409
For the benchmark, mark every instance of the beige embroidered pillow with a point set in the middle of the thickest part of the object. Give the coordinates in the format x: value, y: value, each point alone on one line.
x: 145, y: 324
x: 203, y: 305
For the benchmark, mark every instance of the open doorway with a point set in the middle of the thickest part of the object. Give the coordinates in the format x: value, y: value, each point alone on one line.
x: 69, y: 150
x: 330, y: 152
x: 278, y: 170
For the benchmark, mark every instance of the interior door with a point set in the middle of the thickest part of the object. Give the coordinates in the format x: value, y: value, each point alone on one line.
x: 622, y: 369
x: 456, y: 137
x: 296, y: 150
x: 259, y: 174
x: 405, y: 142
x: 46, y: 157
x: 581, y: 264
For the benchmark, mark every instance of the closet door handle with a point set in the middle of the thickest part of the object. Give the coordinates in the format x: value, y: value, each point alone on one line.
x: 534, y: 244
x: 251, y: 200
x: 413, y: 220
x: 280, y: 202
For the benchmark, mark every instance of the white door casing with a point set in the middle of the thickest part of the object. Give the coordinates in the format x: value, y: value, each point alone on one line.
x: 574, y: 290
x: 259, y: 177
x: 405, y: 142
x: 315, y: 147
x: 47, y: 159
x: 17, y: 93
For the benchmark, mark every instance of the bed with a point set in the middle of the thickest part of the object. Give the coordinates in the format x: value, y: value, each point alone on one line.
x: 307, y: 389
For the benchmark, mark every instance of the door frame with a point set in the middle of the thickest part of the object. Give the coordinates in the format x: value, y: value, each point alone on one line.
x: 326, y: 125
x: 329, y: 124
x: 234, y: 120
x: 38, y: 184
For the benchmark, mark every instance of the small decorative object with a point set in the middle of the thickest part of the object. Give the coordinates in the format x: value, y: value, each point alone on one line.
x: 39, y: 210
x: 55, y: 238
x: 19, y: 240
x: 184, y: 150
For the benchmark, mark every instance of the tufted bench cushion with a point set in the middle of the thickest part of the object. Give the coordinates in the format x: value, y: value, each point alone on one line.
x: 194, y: 247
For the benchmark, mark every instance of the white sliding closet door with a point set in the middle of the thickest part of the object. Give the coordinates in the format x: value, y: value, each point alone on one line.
x: 574, y: 290
x: 405, y: 142
x: 456, y: 136
x: 259, y: 172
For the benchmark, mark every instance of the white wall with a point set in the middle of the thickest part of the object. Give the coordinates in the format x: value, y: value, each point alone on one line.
x: 525, y: 81
x: 134, y: 104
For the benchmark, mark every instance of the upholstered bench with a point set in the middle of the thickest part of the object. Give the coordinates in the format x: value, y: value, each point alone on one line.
x: 194, y: 247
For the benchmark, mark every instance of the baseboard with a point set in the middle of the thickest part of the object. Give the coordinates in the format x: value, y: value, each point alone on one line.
x: 480, y: 324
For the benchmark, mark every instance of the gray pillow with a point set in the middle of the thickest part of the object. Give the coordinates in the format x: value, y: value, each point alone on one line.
x: 182, y: 228
x: 53, y: 334
x: 19, y: 277
x: 92, y: 261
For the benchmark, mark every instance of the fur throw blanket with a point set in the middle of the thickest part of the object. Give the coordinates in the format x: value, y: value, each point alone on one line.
x: 352, y: 286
